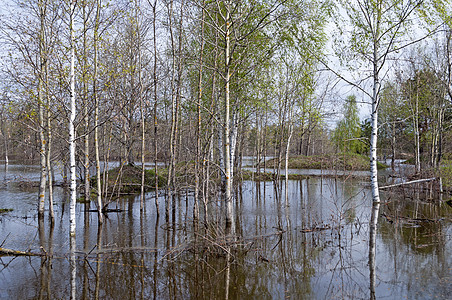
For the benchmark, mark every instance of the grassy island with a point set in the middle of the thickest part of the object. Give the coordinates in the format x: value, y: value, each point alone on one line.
x: 340, y: 161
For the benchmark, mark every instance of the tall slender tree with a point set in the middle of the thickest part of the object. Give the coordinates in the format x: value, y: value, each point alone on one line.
x: 348, y: 130
x: 42, y: 6
x: 377, y: 27
x: 73, y: 182
x: 96, y: 112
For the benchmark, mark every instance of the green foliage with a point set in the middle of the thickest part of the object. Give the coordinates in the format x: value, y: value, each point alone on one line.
x: 446, y: 173
x: 423, y: 101
x: 434, y: 12
x: 347, y: 134
x: 366, y: 131
x: 376, y: 26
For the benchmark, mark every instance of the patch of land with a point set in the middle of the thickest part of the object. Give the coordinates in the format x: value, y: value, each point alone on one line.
x: 128, y: 179
x: 249, y: 175
x: 339, y: 161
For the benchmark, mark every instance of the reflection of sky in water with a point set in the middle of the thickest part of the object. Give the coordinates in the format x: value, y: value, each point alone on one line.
x: 316, y: 172
x: 16, y: 173
x: 319, y: 265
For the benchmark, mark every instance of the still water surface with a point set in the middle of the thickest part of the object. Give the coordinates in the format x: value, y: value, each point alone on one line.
x: 312, y: 245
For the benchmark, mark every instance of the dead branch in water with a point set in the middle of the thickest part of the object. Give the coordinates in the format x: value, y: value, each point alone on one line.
x: 395, y: 219
x: 319, y: 228
x: 407, y: 182
x: 10, y: 252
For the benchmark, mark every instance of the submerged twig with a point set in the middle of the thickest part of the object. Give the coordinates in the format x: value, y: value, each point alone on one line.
x: 5, y: 240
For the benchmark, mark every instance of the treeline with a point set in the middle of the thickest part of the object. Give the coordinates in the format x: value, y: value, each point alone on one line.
x: 202, y: 81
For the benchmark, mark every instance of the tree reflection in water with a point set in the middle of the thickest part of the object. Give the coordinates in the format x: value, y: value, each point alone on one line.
x: 311, y: 241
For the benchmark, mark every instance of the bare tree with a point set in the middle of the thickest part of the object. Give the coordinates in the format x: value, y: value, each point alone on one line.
x: 42, y: 63
x: 96, y: 113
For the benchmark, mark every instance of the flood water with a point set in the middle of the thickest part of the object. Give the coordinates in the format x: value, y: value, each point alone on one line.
x: 314, y: 244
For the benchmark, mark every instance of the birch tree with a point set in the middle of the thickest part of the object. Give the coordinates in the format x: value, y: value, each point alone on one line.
x: 198, y: 127
x: 175, y: 83
x: 96, y: 112
x: 139, y: 41
x: 41, y: 94
x: 73, y: 181
x: 376, y: 30
x: 154, y: 83
x: 86, y: 163
x: 348, y: 130
x: 230, y: 224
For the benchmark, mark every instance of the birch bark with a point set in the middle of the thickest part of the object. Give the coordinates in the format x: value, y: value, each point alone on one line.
x: 198, y: 127
x: 96, y: 113
x: 87, y: 190
x: 230, y: 225
x: 42, y: 151
x: 73, y: 182
x: 156, y: 178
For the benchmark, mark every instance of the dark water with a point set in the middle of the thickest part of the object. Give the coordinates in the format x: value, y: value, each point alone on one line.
x: 312, y: 245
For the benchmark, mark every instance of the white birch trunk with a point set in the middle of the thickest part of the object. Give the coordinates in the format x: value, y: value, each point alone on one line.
x: 198, y: 127
x: 286, y: 181
x: 48, y: 163
x: 87, y: 191
x: 73, y: 184
x: 142, y: 119
x: 221, y: 156
x: 374, y: 119
x: 42, y: 150
x: 416, y: 130
x: 373, y: 153
x: 374, y: 186
x: 373, y: 164
x: 233, y: 141
x: 372, y: 248
x: 96, y: 116
x: 230, y: 225
x: 73, y: 265
x: 49, y: 143
x: 156, y: 178
x: 173, y: 119
x: 5, y: 141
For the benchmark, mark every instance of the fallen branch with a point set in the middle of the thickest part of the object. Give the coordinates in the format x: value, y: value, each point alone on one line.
x: 392, y: 218
x: 407, y: 182
x: 319, y: 228
x: 9, y: 252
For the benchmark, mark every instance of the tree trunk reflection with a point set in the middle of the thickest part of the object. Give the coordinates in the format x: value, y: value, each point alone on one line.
x: 372, y: 246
